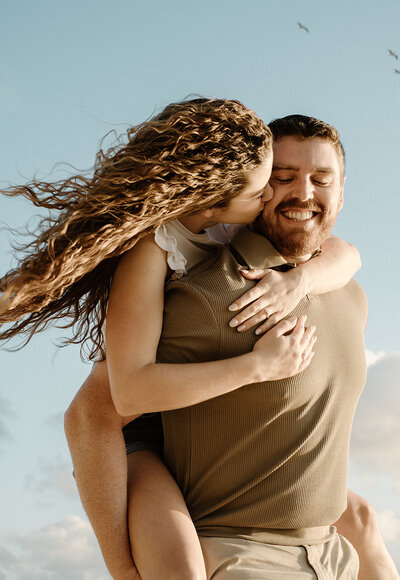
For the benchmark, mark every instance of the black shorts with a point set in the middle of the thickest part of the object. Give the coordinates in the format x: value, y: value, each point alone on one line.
x: 144, y: 433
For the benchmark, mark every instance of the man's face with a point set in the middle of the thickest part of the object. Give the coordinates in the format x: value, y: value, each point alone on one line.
x: 308, y: 195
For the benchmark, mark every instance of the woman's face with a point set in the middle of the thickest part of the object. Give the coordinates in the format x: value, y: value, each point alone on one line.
x: 245, y: 207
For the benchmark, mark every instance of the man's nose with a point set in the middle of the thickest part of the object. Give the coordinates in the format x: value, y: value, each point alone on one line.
x: 305, y: 190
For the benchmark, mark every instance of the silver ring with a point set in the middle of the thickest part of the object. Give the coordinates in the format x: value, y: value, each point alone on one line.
x: 266, y: 311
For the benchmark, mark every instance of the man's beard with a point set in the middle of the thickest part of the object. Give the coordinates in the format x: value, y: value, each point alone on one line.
x: 296, y: 244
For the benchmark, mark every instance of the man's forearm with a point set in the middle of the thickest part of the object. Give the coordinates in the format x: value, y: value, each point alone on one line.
x: 93, y: 430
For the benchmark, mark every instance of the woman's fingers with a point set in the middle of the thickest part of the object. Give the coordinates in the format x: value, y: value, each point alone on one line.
x: 253, y: 294
x: 287, y: 326
x: 306, y: 345
x: 309, y: 348
x: 299, y: 328
x: 269, y: 323
x: 307, y: 335
x: 305, y: 361
x: 255, y: 298
x: 289, y: 345
x: 303, y: 337
x: 255, y: 274
x: 250, y: 317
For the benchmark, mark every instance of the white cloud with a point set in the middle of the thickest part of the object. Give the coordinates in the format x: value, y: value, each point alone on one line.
x: 389, y: 524
x: 52, y: 476
x: 374, y: 447
x: 376, y: 430
x: 56, y: 421
x: 66, y: 550
x: 372, y: 357
x: 6, y: 414
x: 7, y: 557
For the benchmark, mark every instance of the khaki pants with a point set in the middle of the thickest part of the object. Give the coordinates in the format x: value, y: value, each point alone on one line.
x: 239, y: 559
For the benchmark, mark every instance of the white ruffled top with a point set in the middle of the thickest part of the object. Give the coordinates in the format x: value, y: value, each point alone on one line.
x: 186, y: 249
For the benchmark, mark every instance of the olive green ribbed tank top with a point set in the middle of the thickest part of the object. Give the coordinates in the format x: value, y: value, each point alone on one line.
x: 272, y: 455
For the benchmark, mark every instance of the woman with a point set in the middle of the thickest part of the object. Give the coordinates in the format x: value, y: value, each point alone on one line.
x: 204, y: 161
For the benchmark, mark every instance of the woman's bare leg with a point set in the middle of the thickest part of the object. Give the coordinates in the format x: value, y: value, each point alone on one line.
x: 164, y: 541
x: 359, y: 525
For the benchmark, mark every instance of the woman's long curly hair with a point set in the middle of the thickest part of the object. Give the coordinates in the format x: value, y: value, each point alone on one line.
x: 193, y: 155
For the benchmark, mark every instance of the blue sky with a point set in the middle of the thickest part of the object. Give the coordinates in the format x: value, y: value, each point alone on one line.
x: 72, y: 72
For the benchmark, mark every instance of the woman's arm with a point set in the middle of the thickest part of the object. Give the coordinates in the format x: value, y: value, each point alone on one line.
x: 134, y: 323
x: 278, y: 293
x: 332, y: 269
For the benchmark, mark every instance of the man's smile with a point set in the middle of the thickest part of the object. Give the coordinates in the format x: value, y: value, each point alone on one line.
x: 296, y: 212
x: 297, y: 215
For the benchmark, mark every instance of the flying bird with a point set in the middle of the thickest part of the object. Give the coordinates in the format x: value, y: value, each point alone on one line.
x: 393, y: 54
x: 302, y: 27
x: 396, y: 70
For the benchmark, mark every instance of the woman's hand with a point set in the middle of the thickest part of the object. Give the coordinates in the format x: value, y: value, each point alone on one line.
x: 285, y: 350
x: 273, y: 298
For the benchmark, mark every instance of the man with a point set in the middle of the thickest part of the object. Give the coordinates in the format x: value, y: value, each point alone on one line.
x: 271, y: 457
x: 263, y: 469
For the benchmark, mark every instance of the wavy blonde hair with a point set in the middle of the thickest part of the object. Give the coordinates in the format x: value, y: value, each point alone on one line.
x: 193, y: 155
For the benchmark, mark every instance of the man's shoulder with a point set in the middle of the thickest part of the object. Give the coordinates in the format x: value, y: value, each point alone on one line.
x: 213, y: 267
x: 352, y: 291
x: 357, y: 295
x: 355, y: 289
x: 213, y: 284
x: 246, y: 250
x: 347, y: 302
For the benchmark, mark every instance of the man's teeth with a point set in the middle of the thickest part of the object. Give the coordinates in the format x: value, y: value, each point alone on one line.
x: 299, y: 216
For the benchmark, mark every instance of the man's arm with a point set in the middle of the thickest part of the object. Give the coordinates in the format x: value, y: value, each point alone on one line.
x: 93, y: 430
x: 359, y: 525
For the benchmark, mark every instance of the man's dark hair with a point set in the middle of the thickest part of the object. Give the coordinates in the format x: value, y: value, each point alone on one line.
x: 305, y: 128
